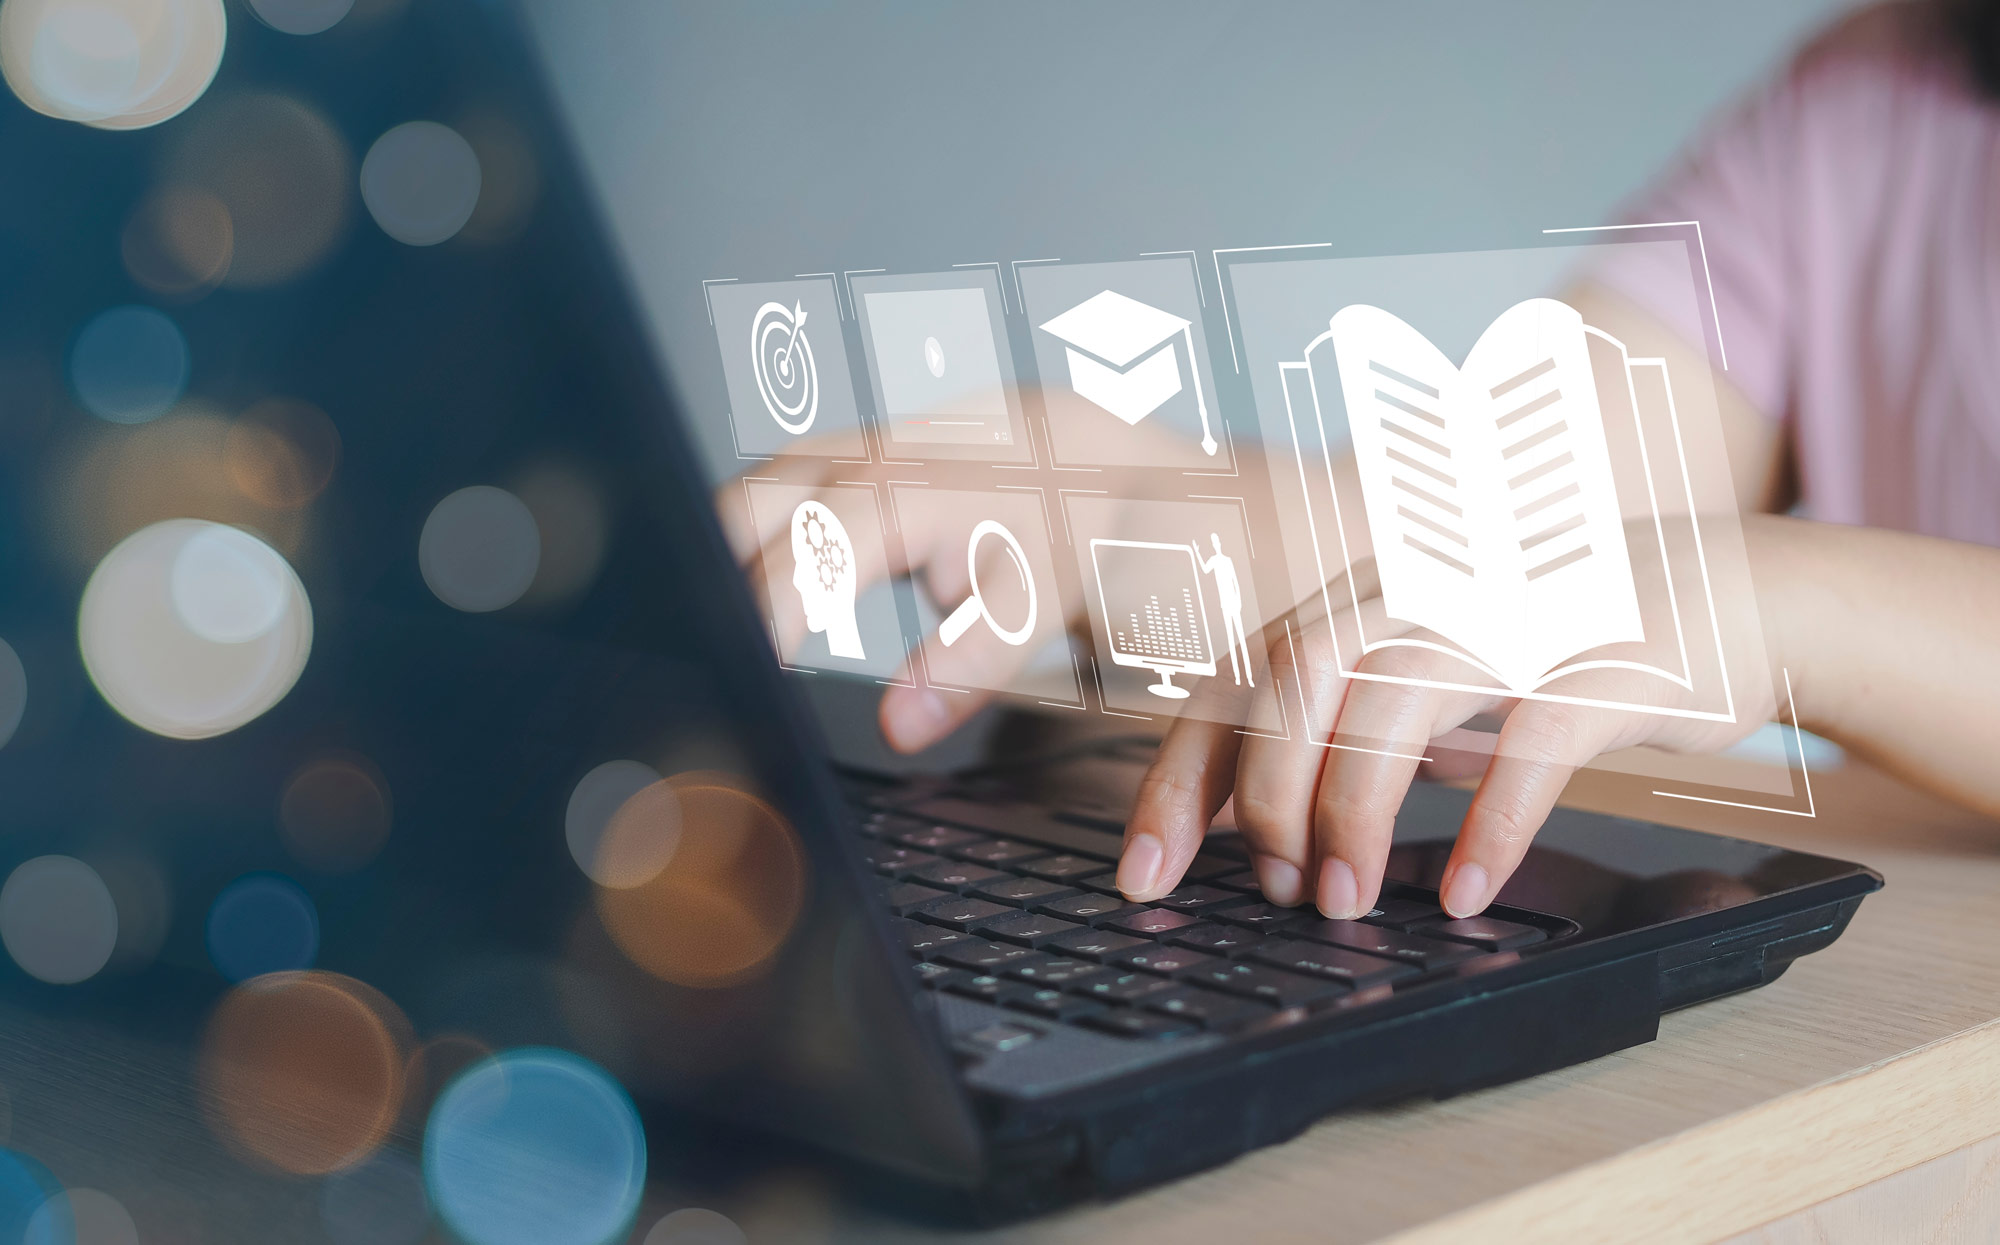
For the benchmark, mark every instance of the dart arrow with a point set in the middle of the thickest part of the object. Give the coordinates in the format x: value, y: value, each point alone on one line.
x: 798, y: 324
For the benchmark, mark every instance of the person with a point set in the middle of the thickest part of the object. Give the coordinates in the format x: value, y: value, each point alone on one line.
x: 1229, y: 595
x: 1847, y: 216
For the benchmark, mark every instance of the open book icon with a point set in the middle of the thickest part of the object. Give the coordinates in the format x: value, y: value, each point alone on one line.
x: 1489, y: 488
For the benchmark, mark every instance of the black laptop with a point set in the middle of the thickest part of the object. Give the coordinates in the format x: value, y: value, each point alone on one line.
x: 924, y: 972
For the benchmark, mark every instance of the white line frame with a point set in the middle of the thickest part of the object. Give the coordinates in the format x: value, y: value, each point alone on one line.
x: 1222, y: 288
x: 1701, y: 245
x: 1805, y: 774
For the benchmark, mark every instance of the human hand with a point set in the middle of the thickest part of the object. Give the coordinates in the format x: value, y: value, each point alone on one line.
x: 1318, y: 812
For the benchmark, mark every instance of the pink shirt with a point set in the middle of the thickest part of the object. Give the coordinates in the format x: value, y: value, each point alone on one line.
x: 1851, y: 213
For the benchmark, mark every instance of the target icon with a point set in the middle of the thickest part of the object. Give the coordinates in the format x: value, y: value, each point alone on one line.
x: 783, y: 358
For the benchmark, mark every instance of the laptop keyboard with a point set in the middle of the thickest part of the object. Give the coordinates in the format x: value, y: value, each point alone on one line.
x: 1044, y: 932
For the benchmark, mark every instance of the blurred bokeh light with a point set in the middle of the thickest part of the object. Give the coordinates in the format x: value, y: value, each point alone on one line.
x: 282, y: 452
x: 335, y: 813
x: 598, y: 798
x: 129, y: 365
x: 379, y: 1202
x: 280, y: 170
x: 13, y: 692
x: 111, y: 482
x: 300, y: 17
x: 93, y: 1216
x: 304, y: 1071
x: 144, y: 902
x: 420, y: 181
x: 25, y: 1188
x: 262, y: 924
x: 178, y: 241
x: 192, y: 677
x: 535, y: 1147
x: 726, y: 900
x: 510, y: 180
x: 569, y: 513
x: 114, y: 64
x: 696, y: 1226
x: 57, y: 920
x: 479, y: 549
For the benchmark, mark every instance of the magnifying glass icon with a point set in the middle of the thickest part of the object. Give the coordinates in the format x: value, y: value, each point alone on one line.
x: 973, y: 608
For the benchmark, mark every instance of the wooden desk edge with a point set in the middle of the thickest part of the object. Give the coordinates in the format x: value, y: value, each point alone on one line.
x: 1745, y: 1170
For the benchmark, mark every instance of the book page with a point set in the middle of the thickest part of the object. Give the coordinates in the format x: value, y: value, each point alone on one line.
x: 1570, y: 586
x: 1407, y: 420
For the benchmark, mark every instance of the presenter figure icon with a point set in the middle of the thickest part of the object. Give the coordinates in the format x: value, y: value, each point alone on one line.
x: 1229, y: 595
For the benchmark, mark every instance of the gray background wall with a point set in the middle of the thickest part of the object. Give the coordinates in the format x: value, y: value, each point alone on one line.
x: 762, y: 141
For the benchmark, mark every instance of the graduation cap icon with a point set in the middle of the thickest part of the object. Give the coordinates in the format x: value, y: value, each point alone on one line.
x: 1122, y: 358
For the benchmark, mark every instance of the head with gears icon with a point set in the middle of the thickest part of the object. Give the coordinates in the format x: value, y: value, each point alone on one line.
x: 824, y: 574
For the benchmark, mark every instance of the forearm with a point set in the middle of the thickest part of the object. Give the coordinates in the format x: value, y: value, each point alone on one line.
x: 1893, y: 646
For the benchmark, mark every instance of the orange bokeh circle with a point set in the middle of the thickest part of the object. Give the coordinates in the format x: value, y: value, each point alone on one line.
x: 304, y: 1071
x: 725, y: 901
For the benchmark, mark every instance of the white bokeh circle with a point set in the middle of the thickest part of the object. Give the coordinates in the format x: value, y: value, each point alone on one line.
x: 57, y: 919
x: 420, y: 181
x: 154, y: 628
x: 113, y: 64
x: 480, y: 549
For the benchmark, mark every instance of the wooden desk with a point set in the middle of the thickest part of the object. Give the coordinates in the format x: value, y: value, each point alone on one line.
x: 1778, y: 1117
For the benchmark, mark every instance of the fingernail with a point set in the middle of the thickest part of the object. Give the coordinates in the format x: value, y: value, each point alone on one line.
x: 1280, y: 880
x: 1465, y: 889
x: 916, y: 719
x: 1339, y: 893
x: 1139, y: 867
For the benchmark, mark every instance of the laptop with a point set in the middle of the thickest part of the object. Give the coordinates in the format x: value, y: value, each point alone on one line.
x: 623, y: 827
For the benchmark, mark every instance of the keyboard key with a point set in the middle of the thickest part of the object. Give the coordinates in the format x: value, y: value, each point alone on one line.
x: 1120, y: 987
x: 981, y: 956
x: 1205, y: 868
x: 1131, y: 1024
x: 1063, y: 868
x: 1402, y: 913
x: 1048, y: 970
x: 1334, y: 963
x: 996, y: 852
x: 936, y: 976
x: 1095, y: 944
x: 1269, y: 984
x: 1022, y: 892
x: 1259, y: 916
x: 937, y: 838
x: 896, y: 862
x: 1028, y: 929
x: 999, y: 1039
x: 1246, y: 882
x: 1105, y: 883
x: 1221, y: 940
x: 962, y: 914
x: 955, y: 875
x: 1489, y: 932
x: 984, y: 986
x: 1195, y: 898
x: 1055, y: 1005
x: 1166, y: 961
x: 904, y: 898
x: 1424, y: 953
x: 1089, y: 909
x: 1207, y: 1008
x: 925, y: 940
x: 1151, y: 923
